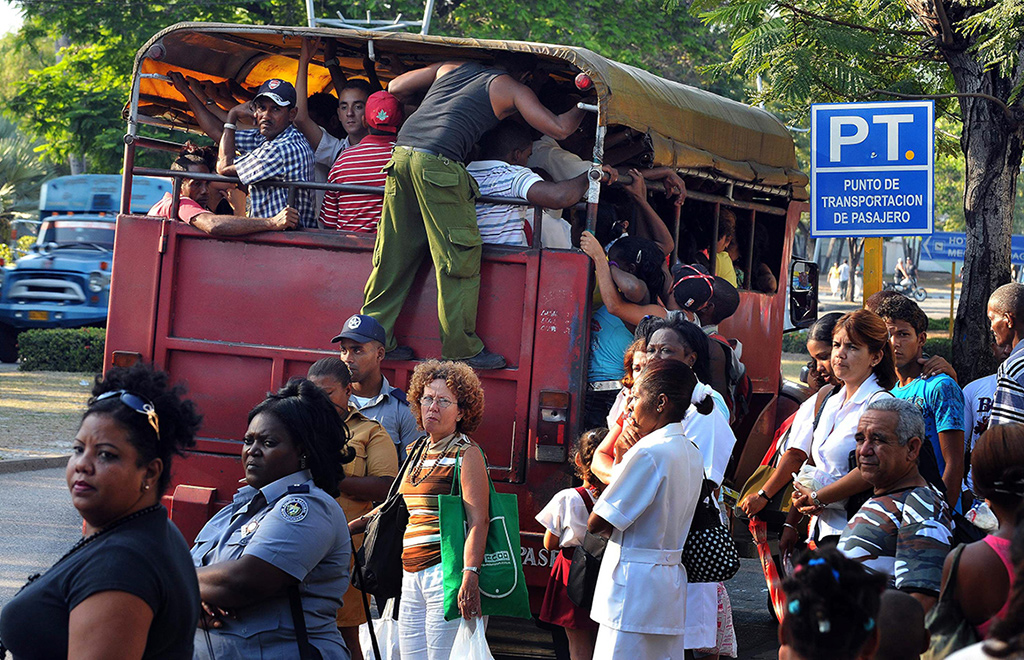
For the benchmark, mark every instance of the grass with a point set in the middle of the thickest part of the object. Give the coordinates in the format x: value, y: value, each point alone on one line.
x: 792, y: 363
x: 40, y: 411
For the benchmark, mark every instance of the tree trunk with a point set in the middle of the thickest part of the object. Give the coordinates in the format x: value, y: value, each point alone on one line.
x: 856, y: 247
x: 992, y: 144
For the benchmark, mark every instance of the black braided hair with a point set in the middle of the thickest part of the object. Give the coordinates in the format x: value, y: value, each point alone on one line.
x: 315, y: 428
x: 586, y: 446
x: 179, y: 419
x: 831, y: 606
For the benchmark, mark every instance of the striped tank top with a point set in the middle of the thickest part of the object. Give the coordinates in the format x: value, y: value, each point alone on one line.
x: 429, y: 476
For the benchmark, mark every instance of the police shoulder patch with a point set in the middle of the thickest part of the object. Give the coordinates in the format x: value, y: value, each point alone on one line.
x: 294, y: 509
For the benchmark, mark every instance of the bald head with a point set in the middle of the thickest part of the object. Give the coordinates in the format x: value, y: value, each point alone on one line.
x: 1008, y: 299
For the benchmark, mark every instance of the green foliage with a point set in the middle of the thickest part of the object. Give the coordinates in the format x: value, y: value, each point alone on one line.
x: 940, y: 346
x: 938, y: 325
x: 21, y: 171
x: 794, y: 342
x: 62, y: 349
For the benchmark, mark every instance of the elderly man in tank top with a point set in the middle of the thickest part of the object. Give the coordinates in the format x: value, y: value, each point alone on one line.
x: 429, y: 196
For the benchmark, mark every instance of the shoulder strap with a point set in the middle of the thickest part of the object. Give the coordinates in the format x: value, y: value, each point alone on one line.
x: 366, y: 607
x: 821, y: 406
x: 949, y: 592
x: 299, y: 621
x: 416, y: 448
x: 585, y: 496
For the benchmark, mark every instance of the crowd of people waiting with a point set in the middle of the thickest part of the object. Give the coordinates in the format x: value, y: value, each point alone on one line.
x: 890, y: 460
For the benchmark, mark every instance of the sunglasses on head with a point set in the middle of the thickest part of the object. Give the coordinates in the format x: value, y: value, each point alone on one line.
x: 136, y: 403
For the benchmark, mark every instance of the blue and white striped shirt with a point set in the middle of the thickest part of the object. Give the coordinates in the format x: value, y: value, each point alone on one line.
x: 288, y: 157
x: 1008, y: 403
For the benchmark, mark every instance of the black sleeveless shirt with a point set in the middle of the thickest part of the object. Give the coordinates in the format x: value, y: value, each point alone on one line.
x: 454, y: 114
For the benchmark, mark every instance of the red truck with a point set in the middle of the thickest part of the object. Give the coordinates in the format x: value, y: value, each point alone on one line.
x: 235, y: 318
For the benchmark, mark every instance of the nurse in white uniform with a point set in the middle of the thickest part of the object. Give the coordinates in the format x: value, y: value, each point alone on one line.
x: 640, y: 599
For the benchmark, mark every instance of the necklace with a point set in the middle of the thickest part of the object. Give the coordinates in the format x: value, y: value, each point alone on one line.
x: 81, y: 543
x: 414, y: 475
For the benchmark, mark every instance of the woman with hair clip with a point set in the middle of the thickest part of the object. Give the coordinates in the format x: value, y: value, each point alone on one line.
x: 274, y: 563
x: 831, y: 609
x: 646, y: 511
x: 127, y: 589
x: 985, y: 576
x: 862, y: 359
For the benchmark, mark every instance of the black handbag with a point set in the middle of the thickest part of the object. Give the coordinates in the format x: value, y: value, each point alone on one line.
x: 381, y: 554
x: 949, y: 629
x: 709, y: 554
x: 586, y: 564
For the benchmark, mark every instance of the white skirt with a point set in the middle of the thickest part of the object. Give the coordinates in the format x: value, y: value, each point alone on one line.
x: 614, y: 644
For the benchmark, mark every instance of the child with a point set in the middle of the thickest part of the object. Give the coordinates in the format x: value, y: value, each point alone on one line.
x: 565, y: 523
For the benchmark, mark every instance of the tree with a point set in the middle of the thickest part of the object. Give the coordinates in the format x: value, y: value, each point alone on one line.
x: 964, y: 53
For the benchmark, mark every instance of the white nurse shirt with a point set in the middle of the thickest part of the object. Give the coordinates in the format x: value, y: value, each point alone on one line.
x: 653, y: 493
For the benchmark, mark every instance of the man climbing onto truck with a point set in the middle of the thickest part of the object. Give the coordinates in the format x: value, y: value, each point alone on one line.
x: 429, y: 196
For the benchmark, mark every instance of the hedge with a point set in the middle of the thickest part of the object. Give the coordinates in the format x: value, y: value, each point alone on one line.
x: 794, y: 342
x: 62, y: 349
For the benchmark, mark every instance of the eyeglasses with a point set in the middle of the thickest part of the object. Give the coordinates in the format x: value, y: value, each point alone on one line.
x: 136, y: 403
x: 427, y: 401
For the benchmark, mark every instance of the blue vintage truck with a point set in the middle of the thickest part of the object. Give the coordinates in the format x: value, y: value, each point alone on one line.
x: 65, y: 280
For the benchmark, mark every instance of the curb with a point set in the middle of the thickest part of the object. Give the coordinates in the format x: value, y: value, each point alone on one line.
x: 28, y: 464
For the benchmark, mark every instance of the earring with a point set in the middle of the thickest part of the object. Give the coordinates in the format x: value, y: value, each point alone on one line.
x: 661, y: 409
x: 145, y: 487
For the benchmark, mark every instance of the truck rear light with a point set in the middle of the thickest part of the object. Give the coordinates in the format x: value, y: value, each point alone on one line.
x: 551, y: 427
x: 125, y: 358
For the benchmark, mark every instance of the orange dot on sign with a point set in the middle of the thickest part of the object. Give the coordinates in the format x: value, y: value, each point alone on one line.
x: 910, y: 155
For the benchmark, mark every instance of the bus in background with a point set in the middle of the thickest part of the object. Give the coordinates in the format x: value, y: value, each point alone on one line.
x: 65, y: 280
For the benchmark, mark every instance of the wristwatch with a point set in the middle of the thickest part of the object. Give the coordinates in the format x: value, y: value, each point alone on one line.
x: 763, y: 494
x: 472, y: 569
x: 817, y: 502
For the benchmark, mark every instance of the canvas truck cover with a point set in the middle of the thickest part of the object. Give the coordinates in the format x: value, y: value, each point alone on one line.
x: 688, y: 128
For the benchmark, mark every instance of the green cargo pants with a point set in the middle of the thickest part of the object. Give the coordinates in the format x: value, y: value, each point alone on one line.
x: 429, y: 203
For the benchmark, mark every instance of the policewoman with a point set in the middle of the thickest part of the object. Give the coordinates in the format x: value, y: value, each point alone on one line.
x: 274, y: 563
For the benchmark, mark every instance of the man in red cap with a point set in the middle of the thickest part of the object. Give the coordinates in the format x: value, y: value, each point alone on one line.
x: 363, y: 165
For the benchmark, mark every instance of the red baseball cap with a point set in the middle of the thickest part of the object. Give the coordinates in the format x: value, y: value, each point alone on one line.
x: 383, y: 112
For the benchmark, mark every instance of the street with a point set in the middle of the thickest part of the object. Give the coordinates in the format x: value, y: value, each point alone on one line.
x: 41, y: 525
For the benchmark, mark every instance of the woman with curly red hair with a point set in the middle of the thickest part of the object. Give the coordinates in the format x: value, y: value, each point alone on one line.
x: 448, y: 403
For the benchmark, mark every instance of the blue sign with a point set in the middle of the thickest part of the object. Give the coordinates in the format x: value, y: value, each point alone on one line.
x: 951, y: 246
x: 872, y: 168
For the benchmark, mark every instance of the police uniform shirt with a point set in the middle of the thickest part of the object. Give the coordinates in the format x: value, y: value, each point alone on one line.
x: 298, y: 528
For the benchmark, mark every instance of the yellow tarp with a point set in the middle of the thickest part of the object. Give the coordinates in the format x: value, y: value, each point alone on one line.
x: 687, y: 127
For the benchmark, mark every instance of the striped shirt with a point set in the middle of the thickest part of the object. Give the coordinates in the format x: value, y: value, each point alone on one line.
x: 288, y: 157
x: 1008, y: 403
x: 502, y: 224
x: 428, y: 477
x: 361, y: 165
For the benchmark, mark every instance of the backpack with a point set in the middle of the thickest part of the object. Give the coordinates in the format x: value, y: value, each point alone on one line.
x: 740, y: 388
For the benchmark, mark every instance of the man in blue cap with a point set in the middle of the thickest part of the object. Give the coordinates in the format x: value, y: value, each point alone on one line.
x: 361, y: 346
x: 275, y: 151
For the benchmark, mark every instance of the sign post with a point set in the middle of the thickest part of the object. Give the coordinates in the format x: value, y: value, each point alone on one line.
x: 872, y: 174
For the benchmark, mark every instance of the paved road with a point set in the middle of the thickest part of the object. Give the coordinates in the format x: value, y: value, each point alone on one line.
x: 39, y: 525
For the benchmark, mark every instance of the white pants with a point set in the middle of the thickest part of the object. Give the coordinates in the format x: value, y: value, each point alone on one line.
x: 614, y: 644
x: 423, y: 632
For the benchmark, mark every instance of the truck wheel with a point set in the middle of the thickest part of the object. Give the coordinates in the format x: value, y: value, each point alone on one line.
x: 8, y: 343
x: 920, y: 294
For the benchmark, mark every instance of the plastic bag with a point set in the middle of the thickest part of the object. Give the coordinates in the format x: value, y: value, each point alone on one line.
x: 759, y: 530
x: 386, y: 629
x: 471, y: 641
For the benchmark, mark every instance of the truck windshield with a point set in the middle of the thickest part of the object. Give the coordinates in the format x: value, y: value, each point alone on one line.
x: 78, y: 232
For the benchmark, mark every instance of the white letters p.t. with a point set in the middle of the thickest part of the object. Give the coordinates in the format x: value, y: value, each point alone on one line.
x: 836, y: 138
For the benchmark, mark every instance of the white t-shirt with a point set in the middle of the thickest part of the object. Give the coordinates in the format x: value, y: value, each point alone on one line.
x: 653, y: 493
x: 833, y: 441
x: 978, y: 397
x: 561, y: 164
x: 502, y: 224
x: 566, y: 516
x: 844, y: 272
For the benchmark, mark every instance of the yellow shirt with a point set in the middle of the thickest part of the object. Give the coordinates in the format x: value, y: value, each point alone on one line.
x: 724, y: 268
x: 375, y: 457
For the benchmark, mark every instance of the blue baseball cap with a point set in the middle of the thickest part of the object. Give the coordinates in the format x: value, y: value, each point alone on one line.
x: 362, y: 328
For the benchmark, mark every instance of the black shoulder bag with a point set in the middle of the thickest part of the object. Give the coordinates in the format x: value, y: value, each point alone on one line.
x: 381, y: 554
x: 585, y: 565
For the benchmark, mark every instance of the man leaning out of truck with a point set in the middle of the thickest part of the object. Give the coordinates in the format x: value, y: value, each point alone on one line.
x: 195, y: 201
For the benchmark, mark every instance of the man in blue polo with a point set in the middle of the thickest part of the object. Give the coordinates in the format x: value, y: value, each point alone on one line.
x: 361, y: 347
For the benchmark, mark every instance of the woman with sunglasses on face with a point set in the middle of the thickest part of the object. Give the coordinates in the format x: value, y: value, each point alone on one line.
x: 646, y: 512
x: 127, y: 589
x: 448, y: 403
x: 282, y: 546
x: 862, y: 359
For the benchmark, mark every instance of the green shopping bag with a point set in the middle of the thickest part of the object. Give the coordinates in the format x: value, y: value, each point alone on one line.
x: 502, y: 581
